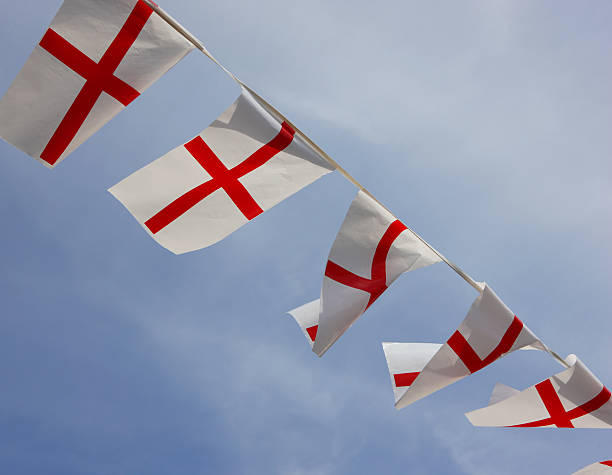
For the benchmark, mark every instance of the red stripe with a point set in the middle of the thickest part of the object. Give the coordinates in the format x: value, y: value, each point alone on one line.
x: 404, y: 379
x: 379, y: 262
x: 470, y: 358
x: 608, y: 463
x: 221, y: 177
x: 99, y: 78
x: 265, y: 153
x: 348, y: 278
x: 553, y: 404
x: 312, y: 332
x: 377, y: 284
x: 590, y: 406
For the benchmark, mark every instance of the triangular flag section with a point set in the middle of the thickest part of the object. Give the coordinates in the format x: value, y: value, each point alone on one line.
x: 371, y: 250
x: 95, y: 59
x: 307, y: 317
x: 600, y: 468
x: 572, y: 398
x: 405, y: 362
x: 489, y: 331
x: 243, y: 164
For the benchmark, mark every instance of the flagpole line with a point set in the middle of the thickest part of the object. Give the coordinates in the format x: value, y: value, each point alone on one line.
x: 188, y: 36
x: 544, y: 347
x: 200, y: 46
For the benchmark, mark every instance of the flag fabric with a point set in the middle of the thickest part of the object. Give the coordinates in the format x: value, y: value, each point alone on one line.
x: 489, y: 331
x: 574, y: 398
x: 599, y: 468
x: 405, y: 362
x: 95, y: 58
x: 371, y: 250
x: 307, y: 317
x: 243, y: 164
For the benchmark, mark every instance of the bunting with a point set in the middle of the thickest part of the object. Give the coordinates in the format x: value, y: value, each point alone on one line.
x: 97, y: 57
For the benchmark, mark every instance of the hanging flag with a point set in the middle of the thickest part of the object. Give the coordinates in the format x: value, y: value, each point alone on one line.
x: 600, y: 468
x: 244, y: 163
x: 405, y: 362
x: 574, y: 398
x: 489, y: 331
x: 95, y: 59
x: 371, y: 250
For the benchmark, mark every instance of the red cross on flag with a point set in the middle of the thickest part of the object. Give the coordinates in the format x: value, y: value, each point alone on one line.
x: 574, y: 398
x: 95, y: 59
x: 405, y: 362
x: 489, y: 331
x: 371, y: 250
x: 243, y: 164
x: 600, y: 468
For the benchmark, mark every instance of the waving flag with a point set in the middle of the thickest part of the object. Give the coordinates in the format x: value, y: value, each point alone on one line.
x: 371, y: 250
x: 405, y: 362
x: 489, y: 331
x: 572, y: 398
x: 95, y: 59
x: 243, y: 164
x: 600, y: 468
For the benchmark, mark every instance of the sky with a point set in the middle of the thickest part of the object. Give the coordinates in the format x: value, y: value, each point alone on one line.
x: 482, y: 124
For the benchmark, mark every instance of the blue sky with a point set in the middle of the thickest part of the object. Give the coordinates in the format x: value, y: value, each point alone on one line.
x: 484, y: 125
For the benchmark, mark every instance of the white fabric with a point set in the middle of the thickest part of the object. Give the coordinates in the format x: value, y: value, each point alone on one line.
x: 501, y: 392
x: 595, y: 469
x: 44, y: 90
x: 573, y: 387
x: 364, y: 226
x: 405, y: 358
x: 244, y: 128
x: 307, y: 317
x: 483, y: 328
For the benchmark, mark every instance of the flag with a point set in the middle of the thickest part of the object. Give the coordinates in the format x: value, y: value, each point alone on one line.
x: 405, y: 362
x: 574, y: 398
x: 244, y: 163
x: 371, y: 250
x: 95, y: 59
x: 599, y: 468
x: 489, y: 331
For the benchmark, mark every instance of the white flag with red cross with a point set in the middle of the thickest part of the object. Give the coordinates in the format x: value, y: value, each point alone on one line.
x: 243, y: 164
x: 405, y: 362
x: 574, y: 398
x: 94, y: 60
x: 489, y: 331
x: 371, y: 250
x: 599, y: 468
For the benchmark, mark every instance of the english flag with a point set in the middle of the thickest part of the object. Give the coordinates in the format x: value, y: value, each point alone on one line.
x: 405, y: 362
x: 371, y: 250
x: 574, y: 398
x: 489, y: 331
x: 243, y: 164
x: 94, y: 60
x: 600, y: 468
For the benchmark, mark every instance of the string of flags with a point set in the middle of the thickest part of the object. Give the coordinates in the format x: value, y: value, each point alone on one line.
x: 248, y: 160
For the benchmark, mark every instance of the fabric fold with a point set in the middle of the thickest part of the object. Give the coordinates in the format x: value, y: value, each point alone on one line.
x: 489, y: 331
x: 573, y: 398
x: 371, y: 250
